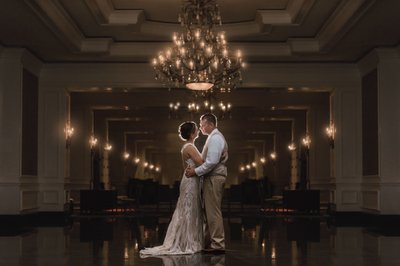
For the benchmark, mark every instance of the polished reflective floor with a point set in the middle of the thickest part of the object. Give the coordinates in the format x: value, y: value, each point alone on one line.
x: 250, y: 241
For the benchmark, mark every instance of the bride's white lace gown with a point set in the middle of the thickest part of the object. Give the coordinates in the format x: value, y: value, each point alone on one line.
x: 185, y: 231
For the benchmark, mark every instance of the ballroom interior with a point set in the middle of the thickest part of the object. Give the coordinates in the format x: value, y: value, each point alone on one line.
x: 90, y: 156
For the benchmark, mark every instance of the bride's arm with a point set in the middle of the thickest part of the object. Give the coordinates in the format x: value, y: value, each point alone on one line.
x: 195, y: 156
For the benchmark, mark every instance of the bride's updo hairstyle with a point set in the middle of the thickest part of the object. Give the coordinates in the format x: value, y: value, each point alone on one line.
x: 186, y: 129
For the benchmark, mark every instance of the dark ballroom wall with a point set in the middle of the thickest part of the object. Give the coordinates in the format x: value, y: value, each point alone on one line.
x: 370, y: 123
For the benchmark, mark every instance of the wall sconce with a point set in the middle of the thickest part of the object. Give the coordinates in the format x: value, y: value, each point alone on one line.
x: 330, y: 132
x: 306, y: 141
x: 108, y: 147
x: 273, y: 156
x: 292, y: 146
x: 92, y: 142
x: 126, y: 156
x: 69, y: 131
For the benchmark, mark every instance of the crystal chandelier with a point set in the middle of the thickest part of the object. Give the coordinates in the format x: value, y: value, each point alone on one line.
x: 199, y: 57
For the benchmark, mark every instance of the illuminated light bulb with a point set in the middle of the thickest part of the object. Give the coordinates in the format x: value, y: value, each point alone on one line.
x: 292, y: 146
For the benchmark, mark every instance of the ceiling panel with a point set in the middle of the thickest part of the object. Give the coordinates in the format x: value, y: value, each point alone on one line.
x: 133, y: 31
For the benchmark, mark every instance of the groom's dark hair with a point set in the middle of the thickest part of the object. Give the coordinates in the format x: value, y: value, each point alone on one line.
x: 211, y: 118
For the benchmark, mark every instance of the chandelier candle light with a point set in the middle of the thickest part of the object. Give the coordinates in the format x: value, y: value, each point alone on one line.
x: 199, y: 58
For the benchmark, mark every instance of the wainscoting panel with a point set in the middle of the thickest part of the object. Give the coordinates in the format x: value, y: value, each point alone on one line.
x: 29, y: 200
x: 349, y: 197
x: 51, y: 197
x: 370, y: 200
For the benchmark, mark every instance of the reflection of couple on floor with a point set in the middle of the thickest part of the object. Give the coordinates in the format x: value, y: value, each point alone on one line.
x: 185, y: 232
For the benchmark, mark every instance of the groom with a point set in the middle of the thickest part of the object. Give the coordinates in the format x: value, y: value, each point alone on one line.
x: 215, y: 155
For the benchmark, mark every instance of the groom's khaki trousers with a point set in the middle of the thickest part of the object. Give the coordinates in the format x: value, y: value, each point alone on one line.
x: 213, y: 190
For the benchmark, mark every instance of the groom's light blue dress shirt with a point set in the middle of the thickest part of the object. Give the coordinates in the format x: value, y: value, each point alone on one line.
x: 216, y: 147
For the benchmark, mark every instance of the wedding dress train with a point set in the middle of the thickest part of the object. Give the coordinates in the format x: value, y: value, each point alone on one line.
x: 185, y: 231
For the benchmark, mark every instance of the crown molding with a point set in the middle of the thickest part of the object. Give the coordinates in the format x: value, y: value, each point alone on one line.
x: 54, y: 16
x: 57, y: 18
x: 341, y: 21
x: 105, y: 14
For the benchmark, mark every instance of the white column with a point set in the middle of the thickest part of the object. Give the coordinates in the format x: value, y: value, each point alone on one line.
x: 381, y: 193
x: 10, y: 130
x: 389, y: 130
x: 53, y: 153
x: 347, y: 151
x: 18, y: 194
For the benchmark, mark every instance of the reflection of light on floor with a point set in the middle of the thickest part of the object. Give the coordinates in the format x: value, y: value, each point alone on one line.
x: 295, y: 254
x: 273, y: 251
x: 126, y: 254
x: 120, y: 210
x: 276, y: 210
x: 263, y: 248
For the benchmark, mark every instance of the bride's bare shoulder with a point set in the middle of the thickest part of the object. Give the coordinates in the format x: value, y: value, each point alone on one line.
x: 190, y: 151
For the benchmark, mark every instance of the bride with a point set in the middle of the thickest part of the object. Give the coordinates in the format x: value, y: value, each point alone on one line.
x: 185, y: 231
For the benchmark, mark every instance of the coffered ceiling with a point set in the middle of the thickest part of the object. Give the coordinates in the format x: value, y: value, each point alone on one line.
x: 134, y: 30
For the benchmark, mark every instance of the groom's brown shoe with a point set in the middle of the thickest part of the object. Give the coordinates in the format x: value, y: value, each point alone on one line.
x: 213, y: 251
